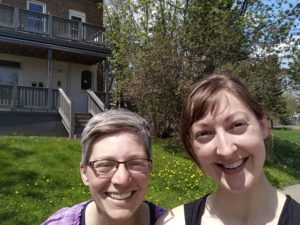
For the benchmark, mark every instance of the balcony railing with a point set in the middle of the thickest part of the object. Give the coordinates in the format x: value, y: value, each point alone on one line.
x: 48, y: 25
x: 21, y: 98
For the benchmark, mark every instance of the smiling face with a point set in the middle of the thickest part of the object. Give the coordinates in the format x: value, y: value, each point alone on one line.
x: 229, y: 145
x: 119, y: 196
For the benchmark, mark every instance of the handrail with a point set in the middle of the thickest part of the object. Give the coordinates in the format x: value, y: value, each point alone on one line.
x: 95, y: 105
x: 65, y: 109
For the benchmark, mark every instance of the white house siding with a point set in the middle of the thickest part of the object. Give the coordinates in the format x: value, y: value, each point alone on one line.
x: 35, y: 70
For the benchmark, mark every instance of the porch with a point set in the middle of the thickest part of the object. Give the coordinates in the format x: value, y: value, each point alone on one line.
x: 28, y: 100
x: 28, y: 33
x: 48, y: 25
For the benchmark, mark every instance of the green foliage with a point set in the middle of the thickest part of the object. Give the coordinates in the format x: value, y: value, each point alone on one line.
x: 161, y: 47
x: 263, y: 77
x: 40, y: 175
x: 295, y: 68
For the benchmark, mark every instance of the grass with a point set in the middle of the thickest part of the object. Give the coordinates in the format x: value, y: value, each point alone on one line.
x: 40, y: 175
x: 288, y: 134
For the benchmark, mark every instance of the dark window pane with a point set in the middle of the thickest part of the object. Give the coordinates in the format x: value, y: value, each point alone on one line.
x: 36, y: 7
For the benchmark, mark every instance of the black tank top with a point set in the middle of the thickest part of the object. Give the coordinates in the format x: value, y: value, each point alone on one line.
x: 151, y: 210
x: 193, y: 211
x: 290, y: 214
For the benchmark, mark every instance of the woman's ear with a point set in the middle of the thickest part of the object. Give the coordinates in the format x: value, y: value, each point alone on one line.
x: 84, y: 176
x: 264, y: 127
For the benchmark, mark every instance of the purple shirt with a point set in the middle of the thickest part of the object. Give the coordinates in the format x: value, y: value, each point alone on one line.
x: 71, y: 215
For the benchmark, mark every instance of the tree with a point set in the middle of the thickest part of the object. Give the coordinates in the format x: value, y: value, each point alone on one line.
x: 264, y: 79
x: 295, y: 69
x: 161, y: 47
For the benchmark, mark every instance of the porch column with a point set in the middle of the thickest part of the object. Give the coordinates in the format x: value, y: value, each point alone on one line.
x: 50, y: 102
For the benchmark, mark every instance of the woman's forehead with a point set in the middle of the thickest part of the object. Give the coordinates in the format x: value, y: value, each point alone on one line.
x: 218, y: 105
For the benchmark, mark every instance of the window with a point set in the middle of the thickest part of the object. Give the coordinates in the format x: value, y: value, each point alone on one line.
x: 8, y: 77
x: 86, y: 80
x: 9, y: 72
x: 76, y: 15
x: 36, y: 6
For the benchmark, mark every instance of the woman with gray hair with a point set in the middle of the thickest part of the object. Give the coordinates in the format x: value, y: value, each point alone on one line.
x: 116, y: 164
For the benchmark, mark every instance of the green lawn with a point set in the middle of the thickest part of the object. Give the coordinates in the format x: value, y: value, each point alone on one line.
x: 291, y: 135
x: 40, y: 175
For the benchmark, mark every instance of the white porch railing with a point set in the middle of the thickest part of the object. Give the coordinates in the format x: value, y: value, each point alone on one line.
x: 22, y: 98
x: 95, y: 105
x: 51, y: 26
x: 65, y: 109
x: 18, y: 98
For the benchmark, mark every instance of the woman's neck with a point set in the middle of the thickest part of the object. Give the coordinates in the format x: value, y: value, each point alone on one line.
x: 261, y: 202
x: 93, y: 217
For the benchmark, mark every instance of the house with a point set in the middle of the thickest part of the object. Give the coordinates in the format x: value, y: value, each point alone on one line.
x: 296, y: 118
x: 53, y: 65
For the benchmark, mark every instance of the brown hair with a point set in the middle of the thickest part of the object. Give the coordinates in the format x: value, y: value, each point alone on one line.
x: 205, y: 96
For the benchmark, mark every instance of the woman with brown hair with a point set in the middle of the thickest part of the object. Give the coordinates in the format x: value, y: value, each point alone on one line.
x: 223, y: 129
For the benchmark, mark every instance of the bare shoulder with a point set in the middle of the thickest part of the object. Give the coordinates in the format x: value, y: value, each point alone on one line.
x: 173, y: 216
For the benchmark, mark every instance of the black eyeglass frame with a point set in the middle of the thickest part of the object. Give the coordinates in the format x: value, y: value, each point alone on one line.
x: 111, y: 173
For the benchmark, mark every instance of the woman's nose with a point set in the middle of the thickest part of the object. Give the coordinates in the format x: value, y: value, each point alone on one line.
x: 121, y: 176
x: 225, y: 144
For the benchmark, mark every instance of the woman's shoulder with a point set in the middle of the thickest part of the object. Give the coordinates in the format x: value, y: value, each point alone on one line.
x: 178, y: 215
x: 67, y: 215
x: 172, y: 217
x: 157, y: 210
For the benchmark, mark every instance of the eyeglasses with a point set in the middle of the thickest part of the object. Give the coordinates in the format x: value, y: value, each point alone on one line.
x: 109, y: 167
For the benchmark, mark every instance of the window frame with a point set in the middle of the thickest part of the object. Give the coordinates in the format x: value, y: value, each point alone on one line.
x: 43, y: 4
x: 78, y: 14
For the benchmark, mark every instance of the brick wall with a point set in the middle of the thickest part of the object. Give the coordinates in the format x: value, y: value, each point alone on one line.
x: 15, y: 3
x: 61, y: 8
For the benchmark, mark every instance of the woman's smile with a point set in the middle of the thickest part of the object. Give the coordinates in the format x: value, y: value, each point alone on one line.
x: 234, y: 167
x: 119, y: 196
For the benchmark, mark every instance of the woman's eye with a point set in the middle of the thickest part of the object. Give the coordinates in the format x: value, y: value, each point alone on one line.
x: 104, y: 165
x: 204, y: 135
x: 239, y: 127
x: 239, y: 123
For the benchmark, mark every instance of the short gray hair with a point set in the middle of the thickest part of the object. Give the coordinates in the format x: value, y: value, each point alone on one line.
x: 111, y: 122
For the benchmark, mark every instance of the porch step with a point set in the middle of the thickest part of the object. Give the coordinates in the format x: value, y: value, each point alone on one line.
x: 80, y: 121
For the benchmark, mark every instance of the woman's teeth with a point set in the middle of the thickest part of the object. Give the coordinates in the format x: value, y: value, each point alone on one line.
x: 118, y: 196
x: 234, y: 164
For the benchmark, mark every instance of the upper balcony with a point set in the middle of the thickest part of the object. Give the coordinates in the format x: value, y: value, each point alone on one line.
x: 27, y: 28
